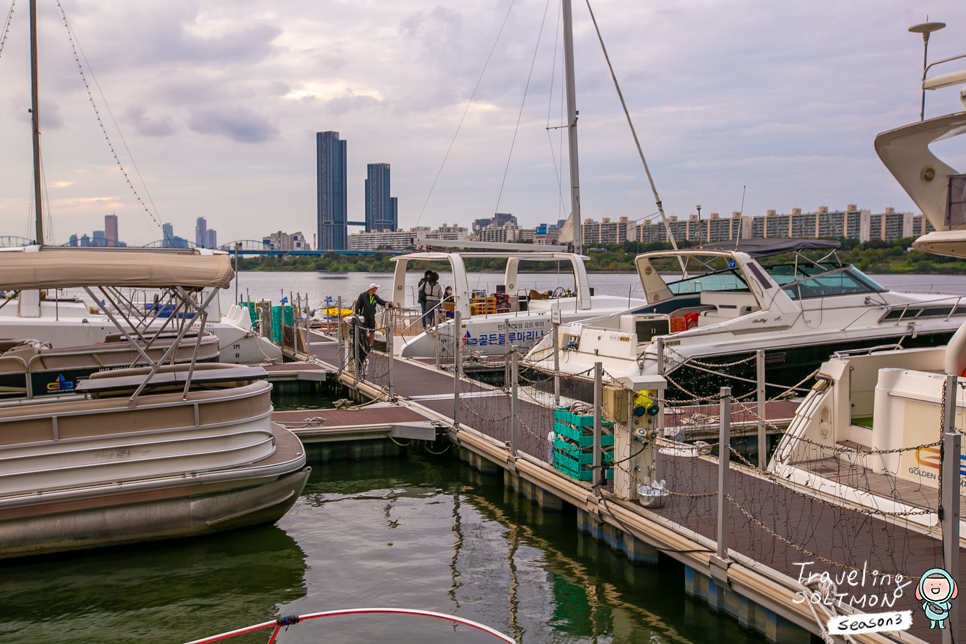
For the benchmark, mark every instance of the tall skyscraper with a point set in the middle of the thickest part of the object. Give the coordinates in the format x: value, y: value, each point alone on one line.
x: 212, y: 241
x: 332, y: 191
x: 201, y: 232
x: 110, y: 229
x: 380, y: 207
x: 167, y: 235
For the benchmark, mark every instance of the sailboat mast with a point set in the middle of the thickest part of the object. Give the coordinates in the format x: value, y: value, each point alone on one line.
x: 35, y: 118
x: 568, y: 27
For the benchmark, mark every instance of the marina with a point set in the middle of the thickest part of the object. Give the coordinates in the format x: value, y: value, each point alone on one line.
x: 638, y: 429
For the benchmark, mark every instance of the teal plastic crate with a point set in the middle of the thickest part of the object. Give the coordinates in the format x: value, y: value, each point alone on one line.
x: 569, y: 467
x: 583, y: 438
x: 564, y: 448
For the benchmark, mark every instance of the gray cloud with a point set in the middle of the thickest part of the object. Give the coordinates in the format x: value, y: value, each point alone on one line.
x: 136, y: 116
x: 242, y: 125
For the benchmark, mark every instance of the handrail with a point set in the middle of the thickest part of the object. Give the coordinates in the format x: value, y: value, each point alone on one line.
x: 867, y: 350
x: 419, y: 319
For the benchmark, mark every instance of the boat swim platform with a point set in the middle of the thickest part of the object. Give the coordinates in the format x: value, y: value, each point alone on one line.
x: 768, y: 546
x: 295, y: 371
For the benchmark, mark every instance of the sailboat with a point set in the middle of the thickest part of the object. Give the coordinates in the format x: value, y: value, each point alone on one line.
x: 158, y: 451
x: 70, y: 322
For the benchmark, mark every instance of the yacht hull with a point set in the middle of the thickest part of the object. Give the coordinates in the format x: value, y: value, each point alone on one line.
x: 179, y: 510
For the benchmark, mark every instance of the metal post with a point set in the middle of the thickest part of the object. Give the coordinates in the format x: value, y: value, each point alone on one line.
x: 514, y: 403
x: 660, y: 392
x: 457, y: 326
x: 35, y: 120
x: 951, y: 464
x: 724, y: 463
x: 436, y: 334
x: 556, y: 364
x: 598, y: 399
x: 568, y: 36
x: 339, y: 328
x: 355, y: 351
x: 237, y: 246
x: 390, y: 330
x: 762, y: 438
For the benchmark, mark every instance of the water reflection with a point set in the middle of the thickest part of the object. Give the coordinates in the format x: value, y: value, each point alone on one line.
x: 154, y: 592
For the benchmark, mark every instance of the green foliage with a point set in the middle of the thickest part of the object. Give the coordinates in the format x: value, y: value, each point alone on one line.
x: 874, y: 256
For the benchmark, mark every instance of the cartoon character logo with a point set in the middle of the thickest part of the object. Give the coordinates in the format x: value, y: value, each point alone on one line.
x: 936, y: 589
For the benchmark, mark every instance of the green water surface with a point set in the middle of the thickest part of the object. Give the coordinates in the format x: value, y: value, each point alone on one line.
x: 417, y: 531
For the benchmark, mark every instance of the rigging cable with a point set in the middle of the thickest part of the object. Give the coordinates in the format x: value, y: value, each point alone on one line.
x: 526, y: 88
x: 467, y: 109
x: 647, y: 170
x: 75, y: 46
x: 6, y: 26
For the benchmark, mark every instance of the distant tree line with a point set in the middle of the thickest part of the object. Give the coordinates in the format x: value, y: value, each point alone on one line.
x: 873, y: 256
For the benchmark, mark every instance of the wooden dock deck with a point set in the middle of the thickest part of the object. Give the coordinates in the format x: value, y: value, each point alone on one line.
x: 775, y: 532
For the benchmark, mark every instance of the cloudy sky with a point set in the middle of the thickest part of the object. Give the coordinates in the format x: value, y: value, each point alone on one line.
x: 218, y: 103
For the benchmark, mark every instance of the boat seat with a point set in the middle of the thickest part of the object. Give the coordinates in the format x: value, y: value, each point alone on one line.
x: 170, y: 378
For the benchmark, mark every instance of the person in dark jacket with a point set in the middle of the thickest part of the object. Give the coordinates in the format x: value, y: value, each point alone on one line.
x: 430, y: 294
x: 366, y: 308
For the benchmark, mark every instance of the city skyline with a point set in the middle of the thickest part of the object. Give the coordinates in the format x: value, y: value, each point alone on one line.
x: 217, y: 104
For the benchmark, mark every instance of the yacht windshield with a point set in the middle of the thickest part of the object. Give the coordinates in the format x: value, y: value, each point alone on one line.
x: 806, y: 281
x: 728, y: 280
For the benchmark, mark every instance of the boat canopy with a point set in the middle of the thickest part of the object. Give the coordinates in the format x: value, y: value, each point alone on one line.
x: 767, y: 247
x: 35, y: 267
x: 461, y: 289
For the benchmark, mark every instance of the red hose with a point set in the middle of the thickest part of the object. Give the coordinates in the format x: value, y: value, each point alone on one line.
x: 356, y: 611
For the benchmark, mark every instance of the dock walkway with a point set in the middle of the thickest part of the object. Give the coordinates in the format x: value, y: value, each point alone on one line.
x: 775, y: 532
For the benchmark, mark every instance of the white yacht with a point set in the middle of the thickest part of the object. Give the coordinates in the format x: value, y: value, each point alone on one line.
x: 61, y: 322
x: 798, y: 310
x: 135, y: 454
x: 868, y: 433
x: 487, y: 331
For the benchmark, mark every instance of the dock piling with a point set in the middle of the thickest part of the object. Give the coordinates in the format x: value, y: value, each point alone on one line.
x: 514, y: 402
x: 555, y: 316
x: 598, y: 398
x: 660, y: 392
x: 949, y: 512
x: 762, y: 440
x: 724, y: 464
x: 355, y: 353
x: 341, y: 343
x: 390, y: 331
x: 457, y: 342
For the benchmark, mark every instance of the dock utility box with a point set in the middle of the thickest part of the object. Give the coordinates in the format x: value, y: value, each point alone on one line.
x: 573, y: 444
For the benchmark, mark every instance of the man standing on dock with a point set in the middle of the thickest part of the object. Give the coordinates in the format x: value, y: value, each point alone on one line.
x: 366, y: 307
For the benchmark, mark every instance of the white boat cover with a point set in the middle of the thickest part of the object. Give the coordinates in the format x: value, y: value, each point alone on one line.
x: 36, y: 268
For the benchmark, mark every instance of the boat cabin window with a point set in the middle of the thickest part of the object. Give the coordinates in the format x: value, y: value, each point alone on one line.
x: 810, y: 281
x: 727, y: 280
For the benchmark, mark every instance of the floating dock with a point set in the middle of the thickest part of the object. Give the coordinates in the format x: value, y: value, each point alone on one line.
x: 776, y: 535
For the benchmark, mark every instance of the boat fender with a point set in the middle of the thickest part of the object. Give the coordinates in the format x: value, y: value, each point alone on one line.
x: 288, y: 620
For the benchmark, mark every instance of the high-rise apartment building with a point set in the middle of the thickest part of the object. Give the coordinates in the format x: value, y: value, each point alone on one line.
x: 110, y: 229
x: 212, y: 241
x: 201, y: 232
x: 381, y: 212
x: 332, y: 191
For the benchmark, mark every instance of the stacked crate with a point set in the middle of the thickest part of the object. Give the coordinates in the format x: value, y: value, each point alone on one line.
x: 281, y: 315
x: 482, y: 305
x: 573, y: 444
x: 502, y: 302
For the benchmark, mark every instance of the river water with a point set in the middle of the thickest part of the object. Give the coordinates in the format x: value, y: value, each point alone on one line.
x: 275, y: 285
x: 416, y: 531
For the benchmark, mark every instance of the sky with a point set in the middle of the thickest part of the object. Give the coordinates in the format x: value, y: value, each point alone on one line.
x: 212, y: 108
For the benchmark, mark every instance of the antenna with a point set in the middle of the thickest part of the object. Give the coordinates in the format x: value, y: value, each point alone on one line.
x: 925, y: 28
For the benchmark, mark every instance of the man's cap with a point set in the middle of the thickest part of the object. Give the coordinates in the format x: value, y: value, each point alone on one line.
x: 372, y: 286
